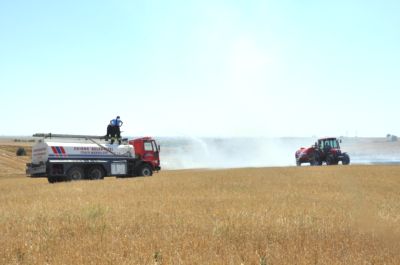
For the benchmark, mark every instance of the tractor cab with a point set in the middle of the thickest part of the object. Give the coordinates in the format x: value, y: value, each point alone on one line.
x: 329, y: 145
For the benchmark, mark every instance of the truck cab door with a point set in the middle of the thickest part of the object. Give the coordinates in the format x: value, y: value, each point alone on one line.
x: 156, y: 151
x: 148, y: 154
x: 151, y: 153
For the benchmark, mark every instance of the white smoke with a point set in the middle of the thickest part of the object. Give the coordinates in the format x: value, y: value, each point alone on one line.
x: 192, y: 152
x: 372, y: 150
x: 184, y: 153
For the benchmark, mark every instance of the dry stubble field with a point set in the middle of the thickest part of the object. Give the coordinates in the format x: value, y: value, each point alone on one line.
x: 308, y: 215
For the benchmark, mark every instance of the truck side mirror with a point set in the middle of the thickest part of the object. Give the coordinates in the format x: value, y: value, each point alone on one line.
x: 340, y: 140
x: 159, y: 148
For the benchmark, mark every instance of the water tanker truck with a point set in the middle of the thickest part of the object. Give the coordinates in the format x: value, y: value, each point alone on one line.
x: 63, y: 157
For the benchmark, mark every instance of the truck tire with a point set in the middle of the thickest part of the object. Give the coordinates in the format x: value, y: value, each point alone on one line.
x: 75, y: 173
x: 145, y: 171
x: 346, y: 159
x: 51, y: 179
x: 96, y: 173
x: 298, y: 163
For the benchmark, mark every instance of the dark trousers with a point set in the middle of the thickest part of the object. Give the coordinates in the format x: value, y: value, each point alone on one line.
x: 113, y: 132
x: 117, y: 132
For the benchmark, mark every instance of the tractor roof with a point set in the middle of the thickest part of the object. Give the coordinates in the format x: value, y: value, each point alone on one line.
x: 327, y: 138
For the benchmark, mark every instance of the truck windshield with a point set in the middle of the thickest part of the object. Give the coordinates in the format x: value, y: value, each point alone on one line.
x: 148, y: 146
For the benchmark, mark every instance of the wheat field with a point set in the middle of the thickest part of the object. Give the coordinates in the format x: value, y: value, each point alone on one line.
x: 326, y: 215
x: 307, y: 215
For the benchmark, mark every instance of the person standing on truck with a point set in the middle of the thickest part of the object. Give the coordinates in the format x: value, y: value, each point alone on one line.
x: 116, y: 131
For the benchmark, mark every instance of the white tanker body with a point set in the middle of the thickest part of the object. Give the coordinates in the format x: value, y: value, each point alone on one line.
x: 67, y: 159
x: 45, y: 150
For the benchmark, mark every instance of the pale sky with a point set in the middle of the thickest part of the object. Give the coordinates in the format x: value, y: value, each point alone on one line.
x: 201, y: 68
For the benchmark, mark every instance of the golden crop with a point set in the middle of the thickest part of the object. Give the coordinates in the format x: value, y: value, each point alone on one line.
x: 308, y: 215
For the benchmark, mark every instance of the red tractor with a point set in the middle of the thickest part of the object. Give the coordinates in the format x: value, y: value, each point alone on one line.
x: 325, y: 150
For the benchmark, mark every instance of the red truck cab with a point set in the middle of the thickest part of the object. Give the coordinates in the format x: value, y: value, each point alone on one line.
x: 148, y: 151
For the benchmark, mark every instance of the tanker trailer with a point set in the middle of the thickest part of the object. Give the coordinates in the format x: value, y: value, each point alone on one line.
x: 60, y: 157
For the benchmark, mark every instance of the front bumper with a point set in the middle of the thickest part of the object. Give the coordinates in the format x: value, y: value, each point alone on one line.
x: 303, y: 158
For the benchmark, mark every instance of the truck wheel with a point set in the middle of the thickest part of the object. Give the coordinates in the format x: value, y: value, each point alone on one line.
x: 75, y: 173
x: 145, y: 171
x: 51, y: 179
x: 298, y: 163
x: 96, y: 172
x: 346, y: 159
